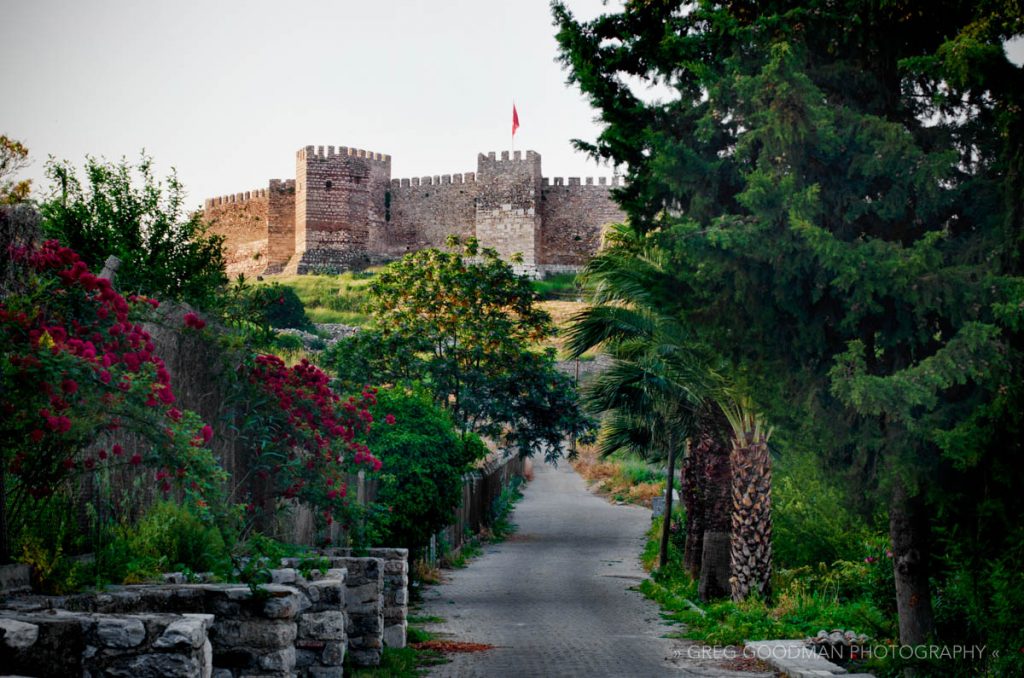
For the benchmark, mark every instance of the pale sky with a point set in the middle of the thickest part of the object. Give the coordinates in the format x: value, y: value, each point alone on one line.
x: 227, y: 91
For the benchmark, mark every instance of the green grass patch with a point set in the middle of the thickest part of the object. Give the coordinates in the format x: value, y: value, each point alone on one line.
x: 338, y: 298
x: 559, y: 286
x: 406, y: 662
x: 830, y: 597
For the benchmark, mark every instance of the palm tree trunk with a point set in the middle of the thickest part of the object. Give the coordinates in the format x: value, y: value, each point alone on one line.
x: 715, y: 567
x: 666, y: 525
x: 751, y: 551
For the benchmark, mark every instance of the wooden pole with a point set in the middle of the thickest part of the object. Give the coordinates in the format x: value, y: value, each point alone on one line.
x: 666, y: 526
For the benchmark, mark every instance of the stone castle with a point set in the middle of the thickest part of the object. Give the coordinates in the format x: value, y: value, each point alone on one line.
x: 344, y: 211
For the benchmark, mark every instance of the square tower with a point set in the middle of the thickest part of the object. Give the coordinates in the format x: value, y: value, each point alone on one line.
x: 335, y: 206
x: 508, y: 215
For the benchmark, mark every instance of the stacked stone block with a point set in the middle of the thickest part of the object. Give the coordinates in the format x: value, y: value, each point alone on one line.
x: 395, y: 591
x: 62, y: 643
x: 364, y: 597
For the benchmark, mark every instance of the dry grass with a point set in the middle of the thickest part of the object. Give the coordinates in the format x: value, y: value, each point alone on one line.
x: 561, y: 313
x: 617, y: 479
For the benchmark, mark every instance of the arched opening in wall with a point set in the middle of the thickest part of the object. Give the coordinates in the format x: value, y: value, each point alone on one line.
x: 328, y: 185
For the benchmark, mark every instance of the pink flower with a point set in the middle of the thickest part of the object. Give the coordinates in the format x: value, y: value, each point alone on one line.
x: 174, y: 413
x: 194, y: 321
x: 389, y: 419
x: 136, y: 459
x: 207, y: 432
x: 69, y: 386
x: 117, y: 450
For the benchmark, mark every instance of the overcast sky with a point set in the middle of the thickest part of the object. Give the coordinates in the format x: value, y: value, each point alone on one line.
x: 226, y: 92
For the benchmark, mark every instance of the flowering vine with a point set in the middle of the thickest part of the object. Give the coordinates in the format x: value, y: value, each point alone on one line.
x: 313, y: 435
x: 76, y: 366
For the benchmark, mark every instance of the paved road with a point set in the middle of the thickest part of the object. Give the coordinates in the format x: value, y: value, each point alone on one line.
x: 555, y: 599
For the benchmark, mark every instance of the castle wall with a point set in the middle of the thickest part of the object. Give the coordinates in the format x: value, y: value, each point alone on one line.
x: 280, y: 223
x: 572, y: 216
x: 507, y: 210
x: 242, y: 219
x: 344, y: 211
x: 425, y: 211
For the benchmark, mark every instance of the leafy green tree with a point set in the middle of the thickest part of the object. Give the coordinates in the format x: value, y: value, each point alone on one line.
x: 837, y: 185
x: 123, y: 210
x: 13, y: 159
x: 464, y: 328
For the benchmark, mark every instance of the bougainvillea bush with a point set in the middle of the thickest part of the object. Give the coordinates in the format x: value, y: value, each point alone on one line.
x: 307, y: 438
x: 77, y: 371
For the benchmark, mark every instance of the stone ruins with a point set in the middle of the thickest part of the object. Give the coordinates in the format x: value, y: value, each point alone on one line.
x: 344, y: 211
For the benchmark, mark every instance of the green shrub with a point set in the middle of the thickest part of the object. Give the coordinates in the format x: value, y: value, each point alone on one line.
x: 423, y: 460
x: 809, y: 515
x: 282, y: 307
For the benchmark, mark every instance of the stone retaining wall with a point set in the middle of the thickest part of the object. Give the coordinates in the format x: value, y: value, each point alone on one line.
x: 63, y: 643
x: 295, y: 627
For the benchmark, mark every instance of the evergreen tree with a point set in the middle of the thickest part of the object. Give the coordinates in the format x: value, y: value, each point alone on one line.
x: 838, y: 185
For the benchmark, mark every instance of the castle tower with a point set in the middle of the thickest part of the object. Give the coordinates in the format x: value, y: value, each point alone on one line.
x: 507, y: 207
x: 336, y: 206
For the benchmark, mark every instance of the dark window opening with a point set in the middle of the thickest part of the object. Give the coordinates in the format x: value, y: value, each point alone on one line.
x: 328, y: 184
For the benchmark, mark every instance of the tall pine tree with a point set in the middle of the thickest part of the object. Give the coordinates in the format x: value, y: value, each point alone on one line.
x: 839, y: 185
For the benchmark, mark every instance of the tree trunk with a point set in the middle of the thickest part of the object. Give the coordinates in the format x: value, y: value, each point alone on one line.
x: 666, y: 525
x: 5, y: 543
x: 717, y: 481
x: 692, y: 494
x: 909, y: 532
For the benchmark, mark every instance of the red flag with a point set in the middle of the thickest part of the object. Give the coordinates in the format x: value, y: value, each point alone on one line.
x: 515, y: 119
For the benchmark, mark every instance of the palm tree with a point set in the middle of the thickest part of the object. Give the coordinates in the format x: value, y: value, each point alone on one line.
x: 654, y: 391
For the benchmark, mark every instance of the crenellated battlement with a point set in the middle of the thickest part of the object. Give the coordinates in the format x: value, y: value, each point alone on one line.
x: 282, y: 184
x: 508, y: 163
x: 327, y: 153
x: 436, y: 180
x: 601, y: 183
x: 235, y: 198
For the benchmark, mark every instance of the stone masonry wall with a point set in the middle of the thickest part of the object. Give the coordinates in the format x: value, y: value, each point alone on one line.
x: 242, y: 219
x: 426, y: 210
x: 280, y: 224
x: 344, y: 211
x: 249, y: 634
x: 62, y: 643
x: 572, y: 216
